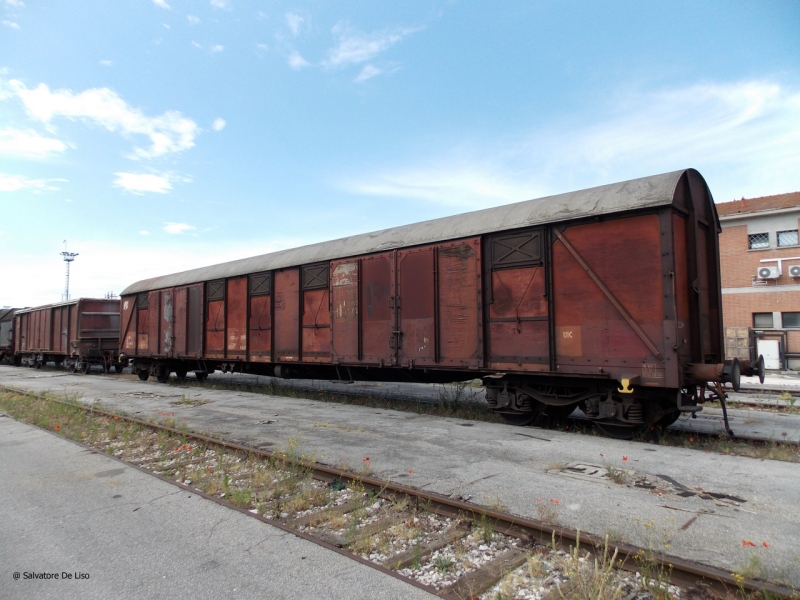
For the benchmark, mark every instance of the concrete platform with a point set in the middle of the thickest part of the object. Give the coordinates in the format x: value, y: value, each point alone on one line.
x: 124, y: 534
x: 526, y: 470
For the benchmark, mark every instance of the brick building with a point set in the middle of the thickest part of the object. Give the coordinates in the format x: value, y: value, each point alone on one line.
x: 759, y: 247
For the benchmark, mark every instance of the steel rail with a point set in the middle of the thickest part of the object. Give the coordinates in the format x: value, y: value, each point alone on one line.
x: 684, y: 573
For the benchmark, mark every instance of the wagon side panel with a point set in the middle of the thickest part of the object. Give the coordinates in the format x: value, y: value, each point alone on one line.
x: 345, y: 309
x: 215, y: 319
x: 287, y: 315
x: 458, y: 301
x: 260, y: 319
x: 517, y: 307
x: 127, y: 325
x: 236, y: 322
x: 180, y: 307
x: 608, y: 298
x: 417, y: 307
x: 376, y: 312
x: 316, y: 313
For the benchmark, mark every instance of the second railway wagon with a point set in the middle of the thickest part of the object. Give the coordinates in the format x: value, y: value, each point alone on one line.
x: 77, y: 334
x: 606, y: 298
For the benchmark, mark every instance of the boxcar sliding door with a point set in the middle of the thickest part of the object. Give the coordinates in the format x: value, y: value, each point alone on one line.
x: 516, y: 300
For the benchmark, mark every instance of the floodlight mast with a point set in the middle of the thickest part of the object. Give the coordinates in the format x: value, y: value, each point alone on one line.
x: 68, y: 258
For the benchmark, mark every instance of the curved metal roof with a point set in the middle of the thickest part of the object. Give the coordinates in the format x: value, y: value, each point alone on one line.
x: 645, y: 192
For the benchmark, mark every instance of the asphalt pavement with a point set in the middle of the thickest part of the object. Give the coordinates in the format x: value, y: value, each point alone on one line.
x: 697, y: 505
x: 78, y: 524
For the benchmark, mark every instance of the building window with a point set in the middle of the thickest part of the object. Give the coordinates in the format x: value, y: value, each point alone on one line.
x: 787, y: 238
x: 791, y: 320
x: 755, y: 241
x: 762, y: 320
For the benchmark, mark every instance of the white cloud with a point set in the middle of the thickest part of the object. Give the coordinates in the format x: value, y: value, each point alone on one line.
x: 162, y: 4
x: 11, y: 24
x: 178, y: 228
x: 221, y: 4
x: 216, y: 48
x: 96, y: 270
x: 144, y: 232
x: 262, y: 46
x: 13, y: 183
x: 15, y: 3
x: 106, y: 63
x: 744, y: 138
x: 196, y: 45
x: 140, y: 183
x: 28, y: 144
x: 219, y: 124
x: 169, y: 132
x: 193, y: 20
x: 294, y: 22
x: 356, y: 47
x: 368, y: 72
x: 297, y: 62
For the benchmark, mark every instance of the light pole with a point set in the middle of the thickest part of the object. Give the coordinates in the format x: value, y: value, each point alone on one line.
x: 68, y: 258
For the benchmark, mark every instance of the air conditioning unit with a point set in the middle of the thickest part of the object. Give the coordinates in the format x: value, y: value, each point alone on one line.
x: 794, y: 271
x: 768, y: 272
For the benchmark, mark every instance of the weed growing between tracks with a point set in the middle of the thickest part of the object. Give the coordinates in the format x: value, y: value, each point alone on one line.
x: 395, y: 532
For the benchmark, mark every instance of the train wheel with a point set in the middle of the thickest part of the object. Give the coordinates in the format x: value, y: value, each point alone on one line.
x: 181, y: 374
x: 162, y: 375
x: 520, y: 419
x: 621, y: 431
x: 201, y: 376
x: 85, y: 366
x: 118, y: 367
x: 143, y: 374
x: 73, y: 367
x: 668, y: 419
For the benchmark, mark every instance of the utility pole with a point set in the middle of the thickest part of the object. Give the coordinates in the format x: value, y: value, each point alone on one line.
x: 68, y: 258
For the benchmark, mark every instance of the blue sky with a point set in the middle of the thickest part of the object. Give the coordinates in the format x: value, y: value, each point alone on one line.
x: 162, y: 135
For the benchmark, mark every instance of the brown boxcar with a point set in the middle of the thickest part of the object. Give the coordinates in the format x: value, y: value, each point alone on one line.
x: 78, y: 334
x: 7, y: 334
x: 607, y: 299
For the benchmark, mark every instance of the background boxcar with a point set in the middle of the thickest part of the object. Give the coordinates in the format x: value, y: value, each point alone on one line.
x: 77, y: 334
x: 607, y: 298
x: 7, y: 335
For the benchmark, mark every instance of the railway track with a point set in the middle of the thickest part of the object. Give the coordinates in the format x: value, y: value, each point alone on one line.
x: 450, y: 547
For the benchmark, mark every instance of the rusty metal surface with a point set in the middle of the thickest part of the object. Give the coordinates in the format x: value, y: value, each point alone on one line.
x: 287, y: 315
x: 416, y: 342
x: 236, y: 319
x: 601, y: 325
x: 459, y: 289
x: 646, y: 192
x: 68, y: 328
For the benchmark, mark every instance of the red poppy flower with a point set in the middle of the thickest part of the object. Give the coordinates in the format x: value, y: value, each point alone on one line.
x: 58, y: 427
x: 366, y: 459
x: 410, y: 472
x: 765, y: 544
x: 554, y: 501
x: 746, y: 543
x: 624, y: 459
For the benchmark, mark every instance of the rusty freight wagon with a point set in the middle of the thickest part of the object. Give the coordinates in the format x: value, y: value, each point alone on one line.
x: 76, y: 334
x: 607, y: 299
x: 7, y: 335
